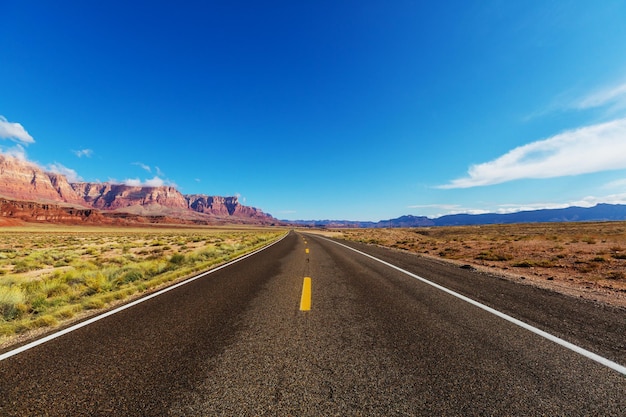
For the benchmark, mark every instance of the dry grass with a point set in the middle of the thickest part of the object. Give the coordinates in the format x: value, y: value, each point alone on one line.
x: 585, y: 259
x: 54, y: 274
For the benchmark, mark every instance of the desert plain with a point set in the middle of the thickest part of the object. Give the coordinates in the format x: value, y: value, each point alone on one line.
x: 51, y: 275
x: 586, y: 260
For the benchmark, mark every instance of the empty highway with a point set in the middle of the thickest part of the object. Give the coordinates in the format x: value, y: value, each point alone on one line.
x: 368, y: 339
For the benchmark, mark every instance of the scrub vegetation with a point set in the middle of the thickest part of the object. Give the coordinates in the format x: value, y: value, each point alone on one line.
x: 587, y: 259
x: 50, y: 275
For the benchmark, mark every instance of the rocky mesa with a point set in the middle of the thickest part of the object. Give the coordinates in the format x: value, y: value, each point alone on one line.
x: 25, y: 181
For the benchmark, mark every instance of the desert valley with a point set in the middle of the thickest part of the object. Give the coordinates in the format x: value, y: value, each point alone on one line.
x: 63, y: 254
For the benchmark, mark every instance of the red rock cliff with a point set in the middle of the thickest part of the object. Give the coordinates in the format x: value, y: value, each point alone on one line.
x: 225, y: 206
x: 106, y: 196
x: 25, y: 181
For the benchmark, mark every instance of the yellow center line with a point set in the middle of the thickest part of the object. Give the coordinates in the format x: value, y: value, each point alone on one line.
x: 306, y: 250
x: 305, y: 300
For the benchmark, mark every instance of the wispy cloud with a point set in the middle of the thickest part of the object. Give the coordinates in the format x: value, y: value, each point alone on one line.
x: 593, y: 200
x: 14, y: 131
x: 436, y: 206
x: 588, y: 201
x: 69, y: 173
x: 143, y: 166
x: 445, y: 209
x: 615, y: 184
x: 594, y: 148
x: 83, y: 152
x: 132, y: 182
x: 515, y: 208
x: 612, y: 96
x: 16, y: 151
x: 155, y: 182
x: 611, y: 100
x: 151, y: 182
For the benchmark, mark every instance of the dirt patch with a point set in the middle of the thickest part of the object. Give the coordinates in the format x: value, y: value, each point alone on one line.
x: 580, y: 259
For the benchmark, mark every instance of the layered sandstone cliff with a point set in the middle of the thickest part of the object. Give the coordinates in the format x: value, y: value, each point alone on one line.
x: 224, y: 206
x: 107, y: 196
x: 26, y: 182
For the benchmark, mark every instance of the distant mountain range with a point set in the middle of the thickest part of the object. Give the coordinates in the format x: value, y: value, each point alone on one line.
x: 600, y: 212
x: 28, y: 193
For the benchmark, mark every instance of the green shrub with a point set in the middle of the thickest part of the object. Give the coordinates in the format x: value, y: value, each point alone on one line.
x: 132, y: 275
x: 524, y: 264
x: 92, y: 304
x: 177, y: 259
x: 44, y: 321
x: 11, y: 302
x: 492, y: 256
x: 25, y: 265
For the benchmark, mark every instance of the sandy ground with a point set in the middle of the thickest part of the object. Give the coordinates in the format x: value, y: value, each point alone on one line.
x: 585, y: 260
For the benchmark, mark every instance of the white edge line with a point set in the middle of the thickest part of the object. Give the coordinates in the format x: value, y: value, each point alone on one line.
x: 593, y: 356
x: 129, y: 305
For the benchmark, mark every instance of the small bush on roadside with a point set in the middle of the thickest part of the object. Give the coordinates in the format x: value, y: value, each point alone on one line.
x: 492, y: 256
x: 132, y: 275
x: 177, y: 259
x: 616, y: 275
x: 11, y: 302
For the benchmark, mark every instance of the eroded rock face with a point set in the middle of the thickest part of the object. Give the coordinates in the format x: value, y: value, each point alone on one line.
x: 225, y: 206
x: 107, y: 196
x: 24, y: 182
x: 47, y: 212
x: 219, y: 206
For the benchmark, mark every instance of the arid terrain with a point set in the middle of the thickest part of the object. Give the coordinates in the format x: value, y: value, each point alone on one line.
x: 50, y: 275
x: 580, y: 259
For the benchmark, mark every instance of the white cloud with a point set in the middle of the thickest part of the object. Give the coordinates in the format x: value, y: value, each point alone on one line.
x: 608, y: 96
x: 14, y: 131
x: 83, y: 152
x: 133, y: 182
x: 594, y: 148
x: 591, y: 201
x: 588, y: 201
x: 515, y: 208
x: 16, y: 151
x: 143, y: 166
x: 69, y: 173
x: 616, y: 184
x: 437, y: 206
x: 152, y: 182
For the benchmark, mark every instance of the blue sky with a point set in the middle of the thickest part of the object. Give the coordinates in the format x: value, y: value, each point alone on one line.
x: 361, y: 110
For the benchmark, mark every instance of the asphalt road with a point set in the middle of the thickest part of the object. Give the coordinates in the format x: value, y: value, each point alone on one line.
x: 376, y: 342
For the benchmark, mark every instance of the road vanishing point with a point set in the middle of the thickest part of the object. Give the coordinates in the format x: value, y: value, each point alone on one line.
x: 315, y: 327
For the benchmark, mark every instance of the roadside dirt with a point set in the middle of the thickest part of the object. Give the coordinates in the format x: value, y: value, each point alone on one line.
x: 586, y: 260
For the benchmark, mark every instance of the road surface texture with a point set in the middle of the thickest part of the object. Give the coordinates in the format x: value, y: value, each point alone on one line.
x: 375, y: 342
